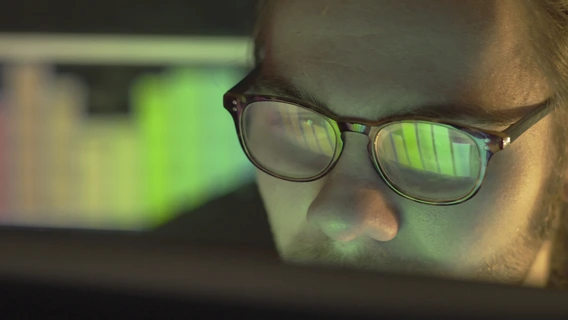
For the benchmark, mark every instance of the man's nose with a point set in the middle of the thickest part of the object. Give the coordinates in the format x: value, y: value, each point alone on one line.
x: 354, y: 201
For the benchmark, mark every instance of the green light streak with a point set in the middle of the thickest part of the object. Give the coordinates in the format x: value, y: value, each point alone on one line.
x: 148, y: 107
x: 443, y: 149
x: 190, y: 146
x: 409, y: 134
x: 400, y: 149
x: 225, y: 165
x: 462, y: 155
x: 184, y: 136
x: 427, y: 147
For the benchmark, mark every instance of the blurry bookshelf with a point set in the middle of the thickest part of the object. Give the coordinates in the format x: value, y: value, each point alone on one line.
x: 116, y: 131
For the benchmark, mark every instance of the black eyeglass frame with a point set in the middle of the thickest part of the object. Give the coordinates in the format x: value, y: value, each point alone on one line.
x: 235, y: 101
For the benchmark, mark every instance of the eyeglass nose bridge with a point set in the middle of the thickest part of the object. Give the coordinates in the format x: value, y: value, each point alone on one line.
x: 354, y: 127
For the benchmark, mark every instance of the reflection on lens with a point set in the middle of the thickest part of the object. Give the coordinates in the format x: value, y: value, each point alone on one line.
x: 288, y: 140
x: 428, y: 161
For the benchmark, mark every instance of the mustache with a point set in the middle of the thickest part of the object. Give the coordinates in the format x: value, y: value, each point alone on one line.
x: 373, y: 256
x: 364, y: 254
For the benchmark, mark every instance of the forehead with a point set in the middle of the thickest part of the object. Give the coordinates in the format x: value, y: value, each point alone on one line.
x: 369, y: 58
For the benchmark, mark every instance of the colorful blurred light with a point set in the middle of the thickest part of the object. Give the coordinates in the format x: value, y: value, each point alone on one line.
x: 176, y: 150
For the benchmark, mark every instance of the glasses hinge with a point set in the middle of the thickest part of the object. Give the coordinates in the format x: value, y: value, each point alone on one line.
x: 506, y: 142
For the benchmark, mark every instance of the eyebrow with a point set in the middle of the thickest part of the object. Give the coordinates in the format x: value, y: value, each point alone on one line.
x: 464, y: 112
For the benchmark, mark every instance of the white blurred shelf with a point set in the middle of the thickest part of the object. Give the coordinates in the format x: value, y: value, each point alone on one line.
x: 125, y: 49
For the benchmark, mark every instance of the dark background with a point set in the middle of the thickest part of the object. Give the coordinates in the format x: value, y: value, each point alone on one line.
x: 150, y: 17
x: 153, y: 17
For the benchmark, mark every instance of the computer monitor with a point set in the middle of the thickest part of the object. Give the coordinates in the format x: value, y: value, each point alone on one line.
x: 130, y: 274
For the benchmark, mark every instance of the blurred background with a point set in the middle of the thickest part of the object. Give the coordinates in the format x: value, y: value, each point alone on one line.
x: 110, y: 111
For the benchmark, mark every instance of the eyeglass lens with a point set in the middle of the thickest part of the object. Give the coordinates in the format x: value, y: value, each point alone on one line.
x: 424, y: 160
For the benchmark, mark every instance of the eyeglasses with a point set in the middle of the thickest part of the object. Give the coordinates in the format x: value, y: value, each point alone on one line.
x: 422, y: 159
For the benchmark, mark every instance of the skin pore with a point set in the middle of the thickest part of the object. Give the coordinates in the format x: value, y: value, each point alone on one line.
x: 370, y: 59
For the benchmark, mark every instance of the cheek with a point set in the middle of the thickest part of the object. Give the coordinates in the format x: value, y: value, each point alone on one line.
x: 516, y: 178
x: 286, y: 204
x: 494, y: 219
x: 514, y: 184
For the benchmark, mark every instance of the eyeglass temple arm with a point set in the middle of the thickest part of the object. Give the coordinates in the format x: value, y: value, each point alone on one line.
x: 519, y: 127
x: 514, y: 131
x: 247, y: 82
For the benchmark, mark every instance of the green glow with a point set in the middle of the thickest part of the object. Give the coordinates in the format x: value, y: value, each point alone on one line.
x: 177, y: 150
x: 443, y: 149
x: 409, y: 134
x: 462, y: 153
x: 475, y: 161
x: 148, y: 107
x: 427, y: 147
x: 324, y: 136
x: 400, y: 149
x: 221, y: 163
x: 384, y: 148
x: 185, y: 166
x: 225, y: 165
x: 190, y: 143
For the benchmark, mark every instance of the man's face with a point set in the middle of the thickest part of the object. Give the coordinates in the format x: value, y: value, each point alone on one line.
x: 371, y: 59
